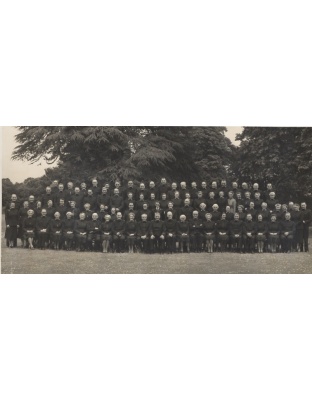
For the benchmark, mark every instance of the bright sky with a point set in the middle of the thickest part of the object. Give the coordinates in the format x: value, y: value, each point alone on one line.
x: 18, y: 171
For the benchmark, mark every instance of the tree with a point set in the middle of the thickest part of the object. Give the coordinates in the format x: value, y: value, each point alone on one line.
x: 281, y: 156
x: 127, y: 152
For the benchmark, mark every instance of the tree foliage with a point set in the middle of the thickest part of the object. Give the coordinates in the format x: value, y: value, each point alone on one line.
x: 282, y: 156
x: 138, y: 153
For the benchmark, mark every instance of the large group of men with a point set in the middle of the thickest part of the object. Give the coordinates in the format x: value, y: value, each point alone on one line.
x: 159, y: 218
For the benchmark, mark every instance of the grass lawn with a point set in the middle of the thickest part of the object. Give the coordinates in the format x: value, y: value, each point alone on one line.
x: 24, y: 261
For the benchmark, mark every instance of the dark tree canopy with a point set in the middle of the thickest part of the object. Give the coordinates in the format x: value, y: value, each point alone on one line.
x: 282, y: 156
x: 128, y: 152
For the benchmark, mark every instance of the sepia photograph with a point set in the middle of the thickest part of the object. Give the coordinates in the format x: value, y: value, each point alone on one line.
x: 156, y: 200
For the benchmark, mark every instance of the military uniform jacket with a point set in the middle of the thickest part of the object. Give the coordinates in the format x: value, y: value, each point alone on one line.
x: 94, y: 226
x: 46, y: 197
x: 78, y: 199
x: 12, y: 217
x: 183, y: 227
x: 56, y: 225
x: 170, y: 226
x: 306, y: 215
x: 116, y: 202
x: 157, y: 228
x: 236, y: 227
x: 296, y: 218
x: 250, y: 227
x: 62, y: 210
x: 141, y: 212
x: 92, y: 200
x: 119, y: 226
x: 50, y: 212
x: 43, y: 223
x: 265, y: 214
x: 103, y: 199
x: 288, y: 226
x: 187, y: 211
x: 68, y: 225
x: 80, y: 226
x: 196, y: 226
x: 143, y: 228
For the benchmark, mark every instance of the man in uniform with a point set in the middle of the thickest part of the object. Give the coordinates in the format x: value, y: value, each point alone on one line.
x: 288, y: 230
x: 143, y: 233
x: 94, y: 233
x: 183, y: 233
x: 42, y: 229
x: 249, y: 234
x: 236, y: 232
x: 170, y: 226
x: 306, y: 218
x: 116, y: 201
x: 196, y: 233
x: 157, y: 234
x: 118, y: 229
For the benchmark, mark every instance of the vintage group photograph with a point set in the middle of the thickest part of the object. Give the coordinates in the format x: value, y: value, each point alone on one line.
x: 156, y: 199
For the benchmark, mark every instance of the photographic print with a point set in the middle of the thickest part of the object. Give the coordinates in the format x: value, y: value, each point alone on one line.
x: 156, y: 199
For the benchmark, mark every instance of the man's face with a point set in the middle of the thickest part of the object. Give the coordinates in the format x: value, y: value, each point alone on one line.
x: 249, y: 217
x: 255, y: 186
x: 94, y: 182
x: 157, y: 216
x: 70, y: 185
x: 44, y: 212
x: 117, y: 185
x: 113, y: 210
x: 77, y: 190
x: 215, y: 207
x: 182, y: 218
x: 31, y: 199
x: 30, y: 213
x: 118, y: 215
x: 102, y: 207
x: 144, y: 217
x: 221, y: 194
x: 176, y: 195
x: 61, y: 202
x: 61, y: 187
x: 131, y: 206
x: 234, y: 185
x: 187, y: 202
x: 95, y: 216
x: 236, y: 217
x: 48, y: 190
x: 251, y: 205
x: 174, y: 186
x: 211, y: 195
x: 82, y: 216
x: 152, y: 185
x: 87, y: 206
x: 195, y: 214
x: 223, y: 216
x: 163, y: 181
x: 141, y: 196
x: 169, y: 215
x: 104, y: 190
x: 107, y: 218
x: 50, y: 203
x: 14, y: 197
x: 287, y: 216
x: 131, y: 216
x: 240, y: 209
x: 170, y: 205
x: 296, y: 207
x: 130, y: 184
x: 204, y: 185
x: 57, y: 215
x: 72, y: 204
x: 183, y: 185
x: 116, y: 192
x: 90, y: 193
x: 152, y: 196
x: 277, y: 207
x: 200, y: 195
x: 142, y: 186
x: 227, y: 209
x: 194, y: 185
x: 83, y: 186
x: 144, y: 206
x: 257, y: 195
x: 214, y: 185
x: 68, y: 215
x: 38, y: 204
x: 260, y: 217
x: 303, y: 206
x: 208, y: 217
x: 12, y: 205
x: 272, y: 195
x: 244, y: 185
x: 26, y: 204
x: 223, y: 183
x: 269, y: 186
x: 163, y: 196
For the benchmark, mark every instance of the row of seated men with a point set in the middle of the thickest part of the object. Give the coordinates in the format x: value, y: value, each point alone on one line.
x: 118, y: 196
x: 195, y: 234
